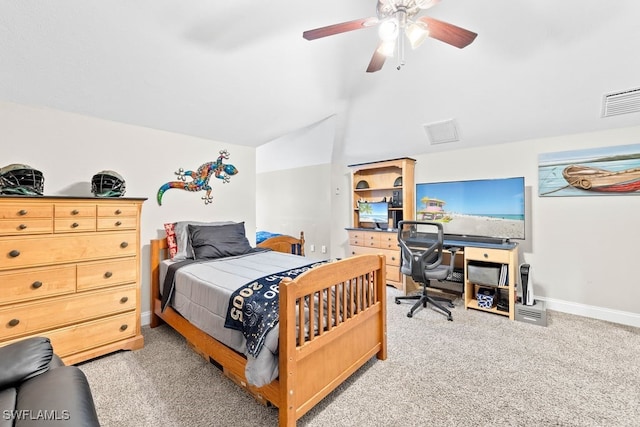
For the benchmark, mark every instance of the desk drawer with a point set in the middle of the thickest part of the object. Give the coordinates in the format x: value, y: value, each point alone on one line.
x: 489, y: 255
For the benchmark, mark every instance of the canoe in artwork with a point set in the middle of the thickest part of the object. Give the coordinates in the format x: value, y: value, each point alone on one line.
x: 595, y: 179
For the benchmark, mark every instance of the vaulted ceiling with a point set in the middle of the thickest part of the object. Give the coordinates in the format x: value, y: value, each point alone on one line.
x: 240, y: 72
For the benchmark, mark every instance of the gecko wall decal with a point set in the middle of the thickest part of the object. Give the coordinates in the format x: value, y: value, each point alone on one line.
x: 200, y: 178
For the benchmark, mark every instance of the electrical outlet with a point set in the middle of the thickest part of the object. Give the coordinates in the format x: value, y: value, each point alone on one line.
x: 313, y: 248
x: 324, y: 249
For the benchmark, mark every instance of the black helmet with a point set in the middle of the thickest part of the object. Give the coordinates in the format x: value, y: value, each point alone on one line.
x: 361, y: 185
x: 22, y: 180
x: 108, y: 184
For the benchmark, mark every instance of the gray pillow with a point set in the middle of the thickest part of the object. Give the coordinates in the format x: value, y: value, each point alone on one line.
x: 182, y: 237
x: 219, y: 241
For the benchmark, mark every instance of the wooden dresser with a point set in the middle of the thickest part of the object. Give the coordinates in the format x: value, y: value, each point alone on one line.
x: 70, y: 271
x: 378, y: 242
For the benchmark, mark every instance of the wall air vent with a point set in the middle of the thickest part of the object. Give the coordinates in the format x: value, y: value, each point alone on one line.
x: 441, y: 132
x: 624, y: 102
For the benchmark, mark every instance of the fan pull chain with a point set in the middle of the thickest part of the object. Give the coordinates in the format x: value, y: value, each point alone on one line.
x: 400, y: 52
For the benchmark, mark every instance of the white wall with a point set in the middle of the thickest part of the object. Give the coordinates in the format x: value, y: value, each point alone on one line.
x: 582, y: 250
x: 69, y: 149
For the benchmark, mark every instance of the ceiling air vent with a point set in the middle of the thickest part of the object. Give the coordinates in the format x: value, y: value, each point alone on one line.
x: 442, y: 132
x: 624, y: 102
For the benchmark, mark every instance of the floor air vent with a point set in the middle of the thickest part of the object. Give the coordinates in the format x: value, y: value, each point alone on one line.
x: 624, y: 102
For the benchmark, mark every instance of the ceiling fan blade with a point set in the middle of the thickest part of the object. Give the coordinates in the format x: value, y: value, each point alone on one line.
x: 377, y: 61
x: 448, y: 33
x: 339, y: 28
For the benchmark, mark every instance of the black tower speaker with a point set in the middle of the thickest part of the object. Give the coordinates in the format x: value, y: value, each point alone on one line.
x: 397, y: 199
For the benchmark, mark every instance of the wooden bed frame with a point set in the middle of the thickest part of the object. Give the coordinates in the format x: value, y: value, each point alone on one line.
x: 351, y: 325
x: 284, y: 243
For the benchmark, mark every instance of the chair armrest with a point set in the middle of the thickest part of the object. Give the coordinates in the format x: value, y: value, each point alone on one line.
x: 23, y: 360
x: 64, y: 392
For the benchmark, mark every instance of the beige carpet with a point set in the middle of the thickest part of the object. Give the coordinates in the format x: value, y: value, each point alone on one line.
x: 479, y: 370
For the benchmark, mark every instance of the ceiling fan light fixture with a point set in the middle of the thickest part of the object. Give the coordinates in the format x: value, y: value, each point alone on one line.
x: 388, y: 30
x: 417, y: 33
x: 387, y: 48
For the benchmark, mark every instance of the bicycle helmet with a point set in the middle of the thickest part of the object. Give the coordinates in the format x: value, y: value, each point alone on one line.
x: 108, y: 184
x: 21, y: 180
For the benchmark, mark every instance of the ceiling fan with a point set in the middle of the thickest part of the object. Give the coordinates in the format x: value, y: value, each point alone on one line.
x: 394, y: 16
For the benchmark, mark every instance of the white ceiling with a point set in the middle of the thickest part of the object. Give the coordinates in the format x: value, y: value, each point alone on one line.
x: 240, y: 72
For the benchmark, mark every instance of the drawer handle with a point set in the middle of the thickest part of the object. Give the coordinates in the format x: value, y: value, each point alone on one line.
x: 353, y: 253
x: 22, y: 226
x: 14, y: 253
x: 75, y: 212
x: 124, y: 245
x: 118, y: 211
x: 75, y: 225
x: 36, y: 285
x: 108, y: 274
x: 486, y: 255
x: 124, y: 299
x: 124, y: 327
x: 118, y: 223
x: 22, y: 212
x: 393, y: 258
x: 14, y: 322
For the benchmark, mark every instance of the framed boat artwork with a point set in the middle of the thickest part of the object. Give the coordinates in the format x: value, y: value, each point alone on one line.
x: 606, y: 171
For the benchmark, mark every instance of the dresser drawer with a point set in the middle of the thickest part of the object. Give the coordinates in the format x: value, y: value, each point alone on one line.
x: 117, y: 210
x: 26, y: 210
x: 15, y: 227
x: 117, y: 223
x: 34, y: 283
x: 30, y: 318
x: 389, y: 241
x: 32, y: 251
x: 393, y: 273
x: 75, y: 225
x: 84, y: 336
x: 75, y: 210
x: 100, y: 274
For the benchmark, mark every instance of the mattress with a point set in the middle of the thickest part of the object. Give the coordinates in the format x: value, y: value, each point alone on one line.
x: 202, y: 292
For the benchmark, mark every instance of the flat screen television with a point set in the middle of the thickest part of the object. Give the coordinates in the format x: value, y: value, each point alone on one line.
x: 485, y: 207
x: 374, y: 214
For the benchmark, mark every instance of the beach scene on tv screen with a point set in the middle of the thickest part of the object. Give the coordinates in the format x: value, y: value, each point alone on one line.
x: 493, y: 207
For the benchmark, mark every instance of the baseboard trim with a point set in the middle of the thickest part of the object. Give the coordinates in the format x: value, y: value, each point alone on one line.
x: 145, y: 318
x: 601, y: 313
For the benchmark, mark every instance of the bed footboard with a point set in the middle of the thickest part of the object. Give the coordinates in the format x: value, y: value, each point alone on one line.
x: 346, y: 304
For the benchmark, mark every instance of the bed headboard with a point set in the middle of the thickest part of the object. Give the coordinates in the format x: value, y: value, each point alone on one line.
x: 286, y: 244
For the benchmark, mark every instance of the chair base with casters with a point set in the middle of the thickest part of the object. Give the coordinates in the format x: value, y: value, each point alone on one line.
x: 424, y: 299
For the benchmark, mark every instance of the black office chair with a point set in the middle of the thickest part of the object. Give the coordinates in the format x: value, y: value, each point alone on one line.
x: 421, y: 249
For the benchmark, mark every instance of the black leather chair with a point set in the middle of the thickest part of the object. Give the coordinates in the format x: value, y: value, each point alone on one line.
x: 421, y: 248
x: 37, y: 389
